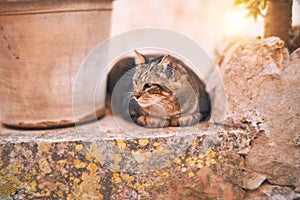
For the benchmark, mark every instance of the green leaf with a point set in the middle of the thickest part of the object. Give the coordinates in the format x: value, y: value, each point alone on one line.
x: 253, y: 6
x: 208, y: 179
x: 253, y: 13
x: 263, y: 4
x: 195, y: 190
x: 192, y: 195
x: 237, y: 2
x: 250, y: 3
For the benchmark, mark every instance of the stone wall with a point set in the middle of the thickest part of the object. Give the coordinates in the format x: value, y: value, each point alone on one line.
x: 262, y: 84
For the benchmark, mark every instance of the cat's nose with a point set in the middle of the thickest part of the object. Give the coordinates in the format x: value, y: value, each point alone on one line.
x: 137, y: 94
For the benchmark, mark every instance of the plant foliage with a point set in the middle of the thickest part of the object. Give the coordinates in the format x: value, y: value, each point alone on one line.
x: 254, y: 7
x: 197, y: 191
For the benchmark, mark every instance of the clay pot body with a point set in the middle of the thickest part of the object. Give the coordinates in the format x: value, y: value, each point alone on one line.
x: 42, y: 45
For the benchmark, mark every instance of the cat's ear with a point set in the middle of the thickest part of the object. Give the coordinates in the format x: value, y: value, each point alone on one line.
x: 168, y: 61
x: 140, y: 58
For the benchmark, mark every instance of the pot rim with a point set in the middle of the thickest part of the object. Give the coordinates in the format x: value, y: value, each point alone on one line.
x: 23, y: 7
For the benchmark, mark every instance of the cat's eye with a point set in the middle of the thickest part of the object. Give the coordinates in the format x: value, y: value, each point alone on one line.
x: 147, y: 85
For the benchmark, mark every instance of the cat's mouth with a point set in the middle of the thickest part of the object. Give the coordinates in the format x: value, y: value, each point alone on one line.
x: 158, y: 106
x: 147, y: 103
x: 155, y: 100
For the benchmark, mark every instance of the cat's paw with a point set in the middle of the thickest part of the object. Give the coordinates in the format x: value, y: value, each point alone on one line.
x: 186, y: 120
x: 151, y: 122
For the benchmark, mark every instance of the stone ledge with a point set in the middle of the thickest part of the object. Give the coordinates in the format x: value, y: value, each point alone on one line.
x: 62, y: 164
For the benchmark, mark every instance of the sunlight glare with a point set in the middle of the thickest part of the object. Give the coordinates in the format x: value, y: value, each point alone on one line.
x: 235, y: 22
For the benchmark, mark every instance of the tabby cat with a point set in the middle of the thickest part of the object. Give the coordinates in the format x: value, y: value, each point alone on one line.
x: 165, y: 92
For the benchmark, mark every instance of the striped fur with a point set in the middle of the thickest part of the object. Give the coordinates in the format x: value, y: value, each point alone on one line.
x: 167, y: 93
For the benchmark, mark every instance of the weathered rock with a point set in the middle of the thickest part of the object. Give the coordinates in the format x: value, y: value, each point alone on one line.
x: 203, y: 184
x: 216, y: 187
x: 295, y: 55
x: 272, y: 192
x: 252, y: 180
x: 58, y: 164
x: 262, y: 84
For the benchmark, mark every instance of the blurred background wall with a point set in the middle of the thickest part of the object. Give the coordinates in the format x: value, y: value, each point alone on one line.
x: 205, y: 21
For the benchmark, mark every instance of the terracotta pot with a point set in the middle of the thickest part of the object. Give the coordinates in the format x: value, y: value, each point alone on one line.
x: 42, y: 45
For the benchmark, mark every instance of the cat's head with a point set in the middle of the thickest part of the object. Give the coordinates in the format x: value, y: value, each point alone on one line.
x: 159, y: 83
x: 161, y: 70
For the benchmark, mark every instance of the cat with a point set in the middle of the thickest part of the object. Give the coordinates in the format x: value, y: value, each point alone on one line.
x: 163, y: 92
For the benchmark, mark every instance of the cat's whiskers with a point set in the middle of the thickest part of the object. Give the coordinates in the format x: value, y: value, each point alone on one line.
x: 129, y: 93
x: 150, y: 103
x: 130, y: 96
